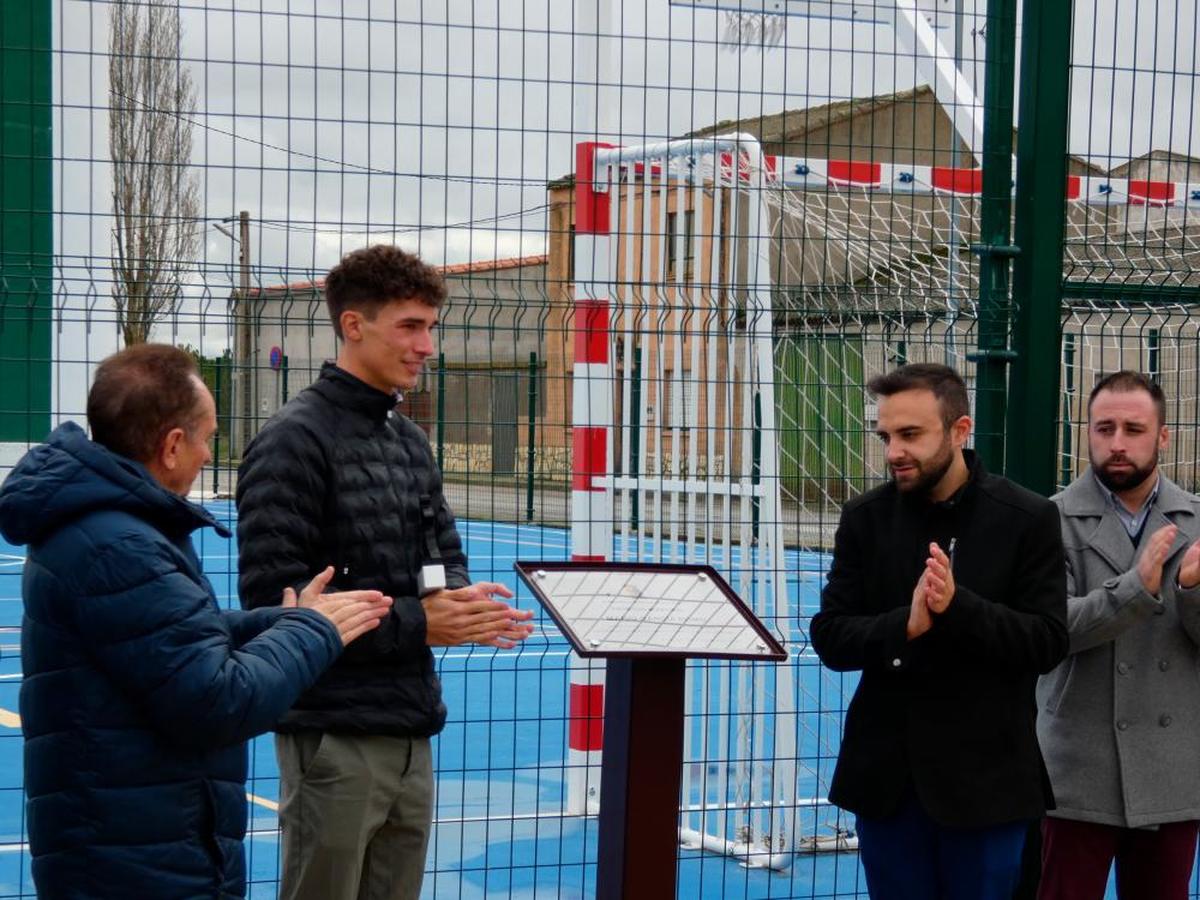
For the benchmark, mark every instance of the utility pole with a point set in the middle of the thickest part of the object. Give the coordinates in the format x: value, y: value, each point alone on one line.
x: 244, y: 250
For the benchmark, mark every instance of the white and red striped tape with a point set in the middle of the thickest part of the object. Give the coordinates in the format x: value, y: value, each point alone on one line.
x: 913, y: 179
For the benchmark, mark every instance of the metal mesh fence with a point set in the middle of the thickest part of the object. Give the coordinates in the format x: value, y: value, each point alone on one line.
x: 206, y: 211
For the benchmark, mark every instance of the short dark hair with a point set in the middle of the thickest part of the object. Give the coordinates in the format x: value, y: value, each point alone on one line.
x: 1128, y: 380
x: 946, y: 384
x: 367, y: 279
x: 140, y: 394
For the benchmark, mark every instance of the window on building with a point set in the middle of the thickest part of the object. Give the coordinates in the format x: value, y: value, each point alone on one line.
x: 571, y: 254
x: 671, y: 240
x: 683, y: 402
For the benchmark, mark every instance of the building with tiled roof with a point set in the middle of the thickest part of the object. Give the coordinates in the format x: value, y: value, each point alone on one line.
x: 490, y: 337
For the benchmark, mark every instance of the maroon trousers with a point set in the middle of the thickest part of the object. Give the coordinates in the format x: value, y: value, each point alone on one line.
x: 1151, y: 865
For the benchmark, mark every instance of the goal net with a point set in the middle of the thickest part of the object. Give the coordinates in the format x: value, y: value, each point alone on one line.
x: 873, y: 265
x: 751, y: 299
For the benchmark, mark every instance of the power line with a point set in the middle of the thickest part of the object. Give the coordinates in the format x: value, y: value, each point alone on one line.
x: 406, y: 228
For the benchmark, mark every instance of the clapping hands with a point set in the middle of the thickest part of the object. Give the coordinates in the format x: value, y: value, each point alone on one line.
x: 935, y: 591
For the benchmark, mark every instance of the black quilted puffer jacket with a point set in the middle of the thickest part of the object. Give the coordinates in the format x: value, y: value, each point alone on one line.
x: 336, y: 478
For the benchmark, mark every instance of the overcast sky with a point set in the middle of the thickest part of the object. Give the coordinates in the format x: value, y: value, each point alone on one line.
x: 437, y: 123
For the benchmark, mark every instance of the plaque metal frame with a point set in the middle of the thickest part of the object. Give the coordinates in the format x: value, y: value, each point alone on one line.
x: 769, y: 648
x: 642, y: 763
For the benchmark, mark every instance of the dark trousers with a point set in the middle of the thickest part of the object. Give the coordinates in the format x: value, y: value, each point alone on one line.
x: 909, y: 856
x: 1151, y: 865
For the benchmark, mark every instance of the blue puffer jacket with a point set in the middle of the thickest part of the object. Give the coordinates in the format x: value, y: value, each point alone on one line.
x: 139, y: 692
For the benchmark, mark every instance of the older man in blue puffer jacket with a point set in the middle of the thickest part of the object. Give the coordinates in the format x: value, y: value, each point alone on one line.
x: 140, y: 692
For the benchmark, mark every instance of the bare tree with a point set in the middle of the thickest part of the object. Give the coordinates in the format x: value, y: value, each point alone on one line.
x: 156, y: 197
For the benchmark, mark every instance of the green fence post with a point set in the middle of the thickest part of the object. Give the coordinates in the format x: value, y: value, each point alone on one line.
x: 26, y: 236
x: 1152, y: 348
x: 217, y: 398
x: 635, y: 431
x: 756, y: 464
x: 441, y: 410
x: 995, y: 247
x: 530, y: 455
x: 1065, y: 471
x: 1040, y: 222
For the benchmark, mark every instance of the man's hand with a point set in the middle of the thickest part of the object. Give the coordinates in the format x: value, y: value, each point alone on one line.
x: 939, y: 583
x: 919, y: 620
x: 1150, y: 563
x: 469, y: 615
x: 1189, y: 569
x: 352, y: 613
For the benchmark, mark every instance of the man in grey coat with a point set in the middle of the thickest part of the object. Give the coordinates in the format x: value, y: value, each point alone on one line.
x: 1119, y: 719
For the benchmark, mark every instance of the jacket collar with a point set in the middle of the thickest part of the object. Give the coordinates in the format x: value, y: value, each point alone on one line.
x: 346, y: 391
x: 1083, y: 498
x: 975, y: 472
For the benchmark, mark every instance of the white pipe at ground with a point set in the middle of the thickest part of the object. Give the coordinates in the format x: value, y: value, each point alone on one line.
x: 751, y: 857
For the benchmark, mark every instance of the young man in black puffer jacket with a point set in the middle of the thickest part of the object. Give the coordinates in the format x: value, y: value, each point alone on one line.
x: 338, y: 477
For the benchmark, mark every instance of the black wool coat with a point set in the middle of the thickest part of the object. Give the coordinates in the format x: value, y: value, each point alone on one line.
x: 336, y: 478
x: 949, y: 716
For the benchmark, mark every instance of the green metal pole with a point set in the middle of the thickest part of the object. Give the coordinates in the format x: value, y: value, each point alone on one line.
x: 530, y: 454
x: 26, y: 236
x: 1068, y: 404
x: 995, y: 246
x: 441, y: 409
x: 1040, y: 221
x: 216, y: 463
x: 756, y: 437
x: 635, y: 431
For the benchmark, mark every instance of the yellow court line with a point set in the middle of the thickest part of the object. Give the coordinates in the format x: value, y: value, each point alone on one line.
x: 262, y: 801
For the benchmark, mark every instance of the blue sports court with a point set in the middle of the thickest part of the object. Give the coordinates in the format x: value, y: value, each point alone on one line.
x: 500, y: 829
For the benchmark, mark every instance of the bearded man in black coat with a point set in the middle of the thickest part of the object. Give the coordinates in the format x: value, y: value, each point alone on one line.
x: 948, y: 592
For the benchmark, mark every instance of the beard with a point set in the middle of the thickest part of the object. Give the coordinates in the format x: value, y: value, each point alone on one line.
x: 1126, y: 479
x: 929, y: 471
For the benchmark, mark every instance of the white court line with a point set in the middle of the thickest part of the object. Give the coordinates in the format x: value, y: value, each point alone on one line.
x: 458, y: 820
x: 273, y: 833
x: 542, y: 545
x: 482, y: 654
x: 9, y: 719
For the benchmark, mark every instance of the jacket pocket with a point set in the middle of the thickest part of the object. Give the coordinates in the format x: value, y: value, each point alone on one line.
x: 1054, y: 685
x: 309, y: 750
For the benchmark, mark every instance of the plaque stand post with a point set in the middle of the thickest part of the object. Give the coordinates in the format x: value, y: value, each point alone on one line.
x: 642, y: 772
x: 647, y: 620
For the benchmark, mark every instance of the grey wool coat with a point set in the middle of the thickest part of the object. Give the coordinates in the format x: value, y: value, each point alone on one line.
x: 1119, y: 718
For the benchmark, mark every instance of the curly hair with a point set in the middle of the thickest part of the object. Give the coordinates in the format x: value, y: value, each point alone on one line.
x: 140, y: 394
x: 374, y: 276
